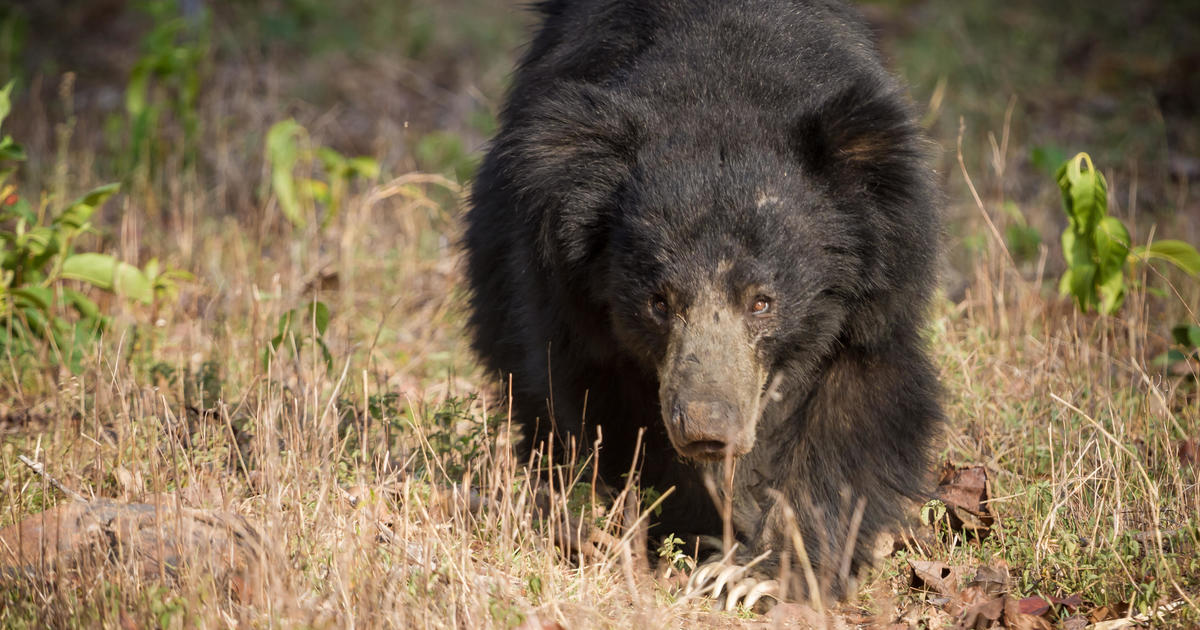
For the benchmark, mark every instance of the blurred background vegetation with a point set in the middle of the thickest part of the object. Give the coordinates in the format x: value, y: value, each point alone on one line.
x: 163, y: 86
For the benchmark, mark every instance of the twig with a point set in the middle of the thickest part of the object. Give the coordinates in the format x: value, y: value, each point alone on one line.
x: 39, y: 469
x: 979, y: 202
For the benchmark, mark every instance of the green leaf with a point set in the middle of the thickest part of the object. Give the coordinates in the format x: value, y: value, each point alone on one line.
x: 41, y: 242
x: 1085, y: 193
x: 364, y: 167
x: 39, y: 298
x: 316, y: 189
x: 132, y: 283
x: 1169, y: 357
x: 1111, y: 289
x: 325, y: 354
x: 10, y: 150
x: 105, y: 272
x: 282, y: 327
x: 6, y: 99
x: 1065, y: 282
x: 1076, y: 250
x: 1083, y: 285
x: 283, y: 151
x: 320, y: 316
x: 1077, y: 279
x: 1178, y: 253
x: 39, y: 322
x: 333, y: 161
x: 82, y: 305
x: 80, y: 210
x: 95, y: 269
x: 136, y: 89
x: 1187, y: 335
x: 1112, y: 244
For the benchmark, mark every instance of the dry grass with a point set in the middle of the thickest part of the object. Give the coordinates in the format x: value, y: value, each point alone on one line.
x: 1079, y: 431
x: 362, y: 477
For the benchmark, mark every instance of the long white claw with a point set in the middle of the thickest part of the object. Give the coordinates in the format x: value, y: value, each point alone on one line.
x: 702, y: 575
x: 739, y: 590
x: 729, y: 574
x: 767, y: 588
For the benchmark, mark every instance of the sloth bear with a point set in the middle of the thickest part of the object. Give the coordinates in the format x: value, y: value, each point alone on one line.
x: 716, y: 221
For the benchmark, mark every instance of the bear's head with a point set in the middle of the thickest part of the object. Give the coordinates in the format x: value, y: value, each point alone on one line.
x: 730, y: 270
x: 734, y: 250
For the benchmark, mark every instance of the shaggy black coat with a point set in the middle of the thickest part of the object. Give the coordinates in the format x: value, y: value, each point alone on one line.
x: 751, y: 161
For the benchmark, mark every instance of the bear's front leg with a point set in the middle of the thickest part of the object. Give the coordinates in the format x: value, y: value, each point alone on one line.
x: 826, y: 472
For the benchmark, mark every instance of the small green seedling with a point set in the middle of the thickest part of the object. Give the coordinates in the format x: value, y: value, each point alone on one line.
x: 1097, y: 247
x: 672, y: 551
x: 311, y: 182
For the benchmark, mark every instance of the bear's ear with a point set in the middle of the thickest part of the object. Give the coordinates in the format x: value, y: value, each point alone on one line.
x: 865, y: 147
x: 568, y: 156
x: 864, y: 138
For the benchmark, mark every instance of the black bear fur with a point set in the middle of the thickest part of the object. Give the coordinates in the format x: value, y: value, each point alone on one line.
x: 660, y: 163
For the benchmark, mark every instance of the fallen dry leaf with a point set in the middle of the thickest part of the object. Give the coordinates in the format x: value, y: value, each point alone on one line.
x: 1016, y: 616
x: 982, y: 615
x: 964, y: 490
x: 992, y: 580
x: 1071, y: 602
x: 1033, y: 606
x: 1114, y: 624
x: 935, y: 576
x: 1108, y: 612
x: 970, y: 596
x: 1076, y: 622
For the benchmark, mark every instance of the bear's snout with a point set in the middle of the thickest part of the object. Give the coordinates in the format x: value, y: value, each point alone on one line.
x: 707, y: 429
x: 710, y: 380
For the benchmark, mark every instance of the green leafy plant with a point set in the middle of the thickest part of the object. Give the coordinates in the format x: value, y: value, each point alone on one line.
x: 1097, y: 247
x: 1182, y: 357
x: 38, y: 303
x: 324, y: 179
x: 166, y: 79
x: 298, y: 327
x: 935, y: 515
x: 672, y: 551
x: 457, y: 437
x: 10, y: 151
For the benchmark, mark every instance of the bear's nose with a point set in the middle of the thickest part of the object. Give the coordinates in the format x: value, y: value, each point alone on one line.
x: 707, y: 428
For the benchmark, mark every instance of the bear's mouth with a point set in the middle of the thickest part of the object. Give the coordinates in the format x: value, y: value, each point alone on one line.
x: 706, y: 450
x: 707, y: 430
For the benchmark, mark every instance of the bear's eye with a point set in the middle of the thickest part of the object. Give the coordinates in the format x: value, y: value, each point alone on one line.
x: 659, y: 304
x: 761, y: 306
